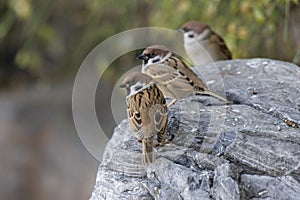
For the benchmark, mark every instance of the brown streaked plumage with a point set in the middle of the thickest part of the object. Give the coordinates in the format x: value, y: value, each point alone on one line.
x: 200, y: 39
x: 147, y: 112
x: 174, y: 77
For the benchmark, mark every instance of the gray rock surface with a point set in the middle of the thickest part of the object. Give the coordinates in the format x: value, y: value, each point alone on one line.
x: 246, y: 150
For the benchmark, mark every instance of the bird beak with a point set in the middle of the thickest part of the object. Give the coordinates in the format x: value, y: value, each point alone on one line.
x: 123, y: 85
x: 180, y: 30
x: 141, y: 57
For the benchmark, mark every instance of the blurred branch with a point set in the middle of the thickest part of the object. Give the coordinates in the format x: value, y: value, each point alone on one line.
x: 286, y: 20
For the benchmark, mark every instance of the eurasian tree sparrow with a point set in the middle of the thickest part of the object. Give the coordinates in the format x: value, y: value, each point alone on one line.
x: 147, y: 112
x: 175, y: 79
x: 200, y: 40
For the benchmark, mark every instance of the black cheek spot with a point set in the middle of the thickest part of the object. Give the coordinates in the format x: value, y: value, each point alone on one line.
x: 191, y: 36
x: 138, y: 87
x: 156, y: 60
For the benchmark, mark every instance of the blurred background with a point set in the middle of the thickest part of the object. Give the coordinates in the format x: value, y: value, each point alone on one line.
x: 42, y: 45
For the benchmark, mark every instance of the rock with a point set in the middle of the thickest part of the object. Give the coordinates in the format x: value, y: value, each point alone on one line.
x: 263, y: 187
x: 248, y: 149
x: 225, y: 184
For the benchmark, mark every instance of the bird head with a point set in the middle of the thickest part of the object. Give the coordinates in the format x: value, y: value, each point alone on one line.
x: 154, y: 54
x: 135, y: 81
x: 193, y: 30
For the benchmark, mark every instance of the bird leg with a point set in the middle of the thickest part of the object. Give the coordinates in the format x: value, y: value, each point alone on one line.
x: 148, y: 152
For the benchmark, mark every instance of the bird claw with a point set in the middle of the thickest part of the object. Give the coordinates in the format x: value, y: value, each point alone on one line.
x: 166, y: 141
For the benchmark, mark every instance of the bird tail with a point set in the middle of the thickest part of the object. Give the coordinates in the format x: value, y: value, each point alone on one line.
x: 148, y: 152
x: 210, y: 93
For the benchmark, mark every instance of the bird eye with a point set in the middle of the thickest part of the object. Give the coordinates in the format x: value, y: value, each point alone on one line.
x: 186, y: 29
x: 191, y: 35
x: 152, y: 55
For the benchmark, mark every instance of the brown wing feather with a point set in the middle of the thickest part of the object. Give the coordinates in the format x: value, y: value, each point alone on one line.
x: 198, y: 86
x: 158, y: 114
x: 134, y: 115
x: 185, y: 71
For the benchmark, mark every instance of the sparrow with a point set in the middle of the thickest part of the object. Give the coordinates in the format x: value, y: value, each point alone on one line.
x: 200, y: 40
x: 175, y: 79
x: 146, y: 111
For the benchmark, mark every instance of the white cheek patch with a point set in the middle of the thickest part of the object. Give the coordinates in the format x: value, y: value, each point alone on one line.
x: 152, y: 61
x: 156, y: 59
x: 196, y: 37
x: 136, y: 88
x: 191, y: 34
x: 188, y: 38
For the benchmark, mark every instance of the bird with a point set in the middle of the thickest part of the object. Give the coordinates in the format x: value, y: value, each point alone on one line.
x: 146, y: 111
x: 174, y: 78
x: 202, y: 44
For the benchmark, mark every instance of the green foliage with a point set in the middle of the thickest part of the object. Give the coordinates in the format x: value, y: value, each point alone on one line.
x: 50, y: 39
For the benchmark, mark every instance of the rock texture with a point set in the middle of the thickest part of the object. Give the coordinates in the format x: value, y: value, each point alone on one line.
x: 246, y: 150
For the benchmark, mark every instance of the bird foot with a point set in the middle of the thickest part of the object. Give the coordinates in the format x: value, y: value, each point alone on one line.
x: 166, y: 141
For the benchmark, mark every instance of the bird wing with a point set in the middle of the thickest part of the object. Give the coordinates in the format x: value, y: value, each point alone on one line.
x: 134, y: 116
x: 167, y: 75
x: 158, y: 113
x: 185, y: 72
x: 198, y: 86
